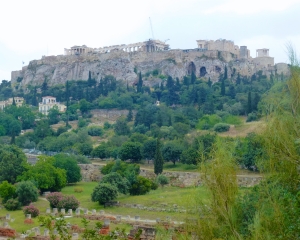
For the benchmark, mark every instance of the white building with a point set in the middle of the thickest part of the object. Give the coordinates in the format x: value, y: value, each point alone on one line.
x: 18, y: 100
x: 49, y: 102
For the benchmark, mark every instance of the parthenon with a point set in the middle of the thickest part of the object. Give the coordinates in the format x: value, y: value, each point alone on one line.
x: 147, y: 46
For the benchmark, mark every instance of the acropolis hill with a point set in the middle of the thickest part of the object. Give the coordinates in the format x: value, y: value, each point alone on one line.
x: 125, y: 61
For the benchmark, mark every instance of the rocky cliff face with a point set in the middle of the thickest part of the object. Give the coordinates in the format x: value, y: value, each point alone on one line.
x: 122, y: 65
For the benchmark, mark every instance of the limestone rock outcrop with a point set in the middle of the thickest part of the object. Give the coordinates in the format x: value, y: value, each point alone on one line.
x: 125, y: 66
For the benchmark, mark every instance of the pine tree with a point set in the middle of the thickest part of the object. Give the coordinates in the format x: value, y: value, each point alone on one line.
x: 249, y: 104
x: 158, y: 159
x: 67, y: 98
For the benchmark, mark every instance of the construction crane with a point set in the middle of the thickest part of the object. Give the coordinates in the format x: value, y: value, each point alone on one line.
x: 151, y: 28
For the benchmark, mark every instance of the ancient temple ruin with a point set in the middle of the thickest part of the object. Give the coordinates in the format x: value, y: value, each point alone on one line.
x: 151, y: 45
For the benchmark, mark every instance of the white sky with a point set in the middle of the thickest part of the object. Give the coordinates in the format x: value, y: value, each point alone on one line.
x: 32, y: 28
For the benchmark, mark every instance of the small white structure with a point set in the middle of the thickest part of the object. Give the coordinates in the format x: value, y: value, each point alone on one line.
x: 18, y: 100
x: 49, y: 102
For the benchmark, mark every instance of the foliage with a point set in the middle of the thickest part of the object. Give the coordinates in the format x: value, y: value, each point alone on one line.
x: 121, y: 127
x: 104, y: 192
x: 190, y: 156
x: 208, y: 121
x: 131, y: 151
x: 13, y: 163
x: 116, y: 180
x: 252, y: 117
x: 7, y: 191
x: 124, y: 169
x: 158, y: 158
x: 140, y: 186
x: 53, y: 115
x: 68, y: 202
x: 78, y: 189
x: 67, y: 163
x: 162, y: 180
x: 221, y: 127
x: 95, y: 131
x: 58, y: 200
x: 54, y: 198
x: 12, y: 204
x: 45, y: 175
x: 31, y: 209
x: 27, y: 192
x: 171, y: 151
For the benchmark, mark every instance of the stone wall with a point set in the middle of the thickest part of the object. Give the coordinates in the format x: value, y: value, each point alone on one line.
x: 90, y: 172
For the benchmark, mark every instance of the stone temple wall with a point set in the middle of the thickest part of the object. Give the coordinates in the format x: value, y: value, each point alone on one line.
x: 90, y: 172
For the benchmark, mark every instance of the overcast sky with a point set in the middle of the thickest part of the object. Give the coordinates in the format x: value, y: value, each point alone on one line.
x: 32, y: 28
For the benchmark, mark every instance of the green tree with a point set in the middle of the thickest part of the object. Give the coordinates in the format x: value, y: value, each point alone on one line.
x: 140, y: 83
x: 13, y: 163
x: 27, y: 192
x: 121, y: 127
x: 129, y: 115
x: 7, y: 191
x: 140, y: 186
x: 67, y: 163
x: 14, y: 130
x: 249, y: 103
x: 171, y: 151
x: 158, y: 158
x: 53, y: 115
x: 104, y: 192
x: 148, y: 149
x: 84, y: 106
x: 223, y: 87
x: 131, y: 151
x: 116, y: 180
x: 189, y: 156
x: 45, y: 175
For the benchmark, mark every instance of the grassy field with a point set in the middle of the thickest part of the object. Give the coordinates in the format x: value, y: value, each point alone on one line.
x: 163, y: 198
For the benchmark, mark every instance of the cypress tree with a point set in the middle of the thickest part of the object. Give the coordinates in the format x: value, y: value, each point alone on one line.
x: 140, y: 83
x: 129, y: 116
x: 249, y: 104
x: 14, y: 102
x: 225, y: 73
x: 158, y: 159
x: 223, y: 87
x: 34, y: 101
x: 193, y: 78
x: 209, y: 83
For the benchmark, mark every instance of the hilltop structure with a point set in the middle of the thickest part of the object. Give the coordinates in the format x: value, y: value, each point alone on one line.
x: 124, y: 61
x: 151, y: 45
x: 49, y: 102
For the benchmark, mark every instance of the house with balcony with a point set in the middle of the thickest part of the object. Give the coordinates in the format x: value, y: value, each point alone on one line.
x: 49, y: 102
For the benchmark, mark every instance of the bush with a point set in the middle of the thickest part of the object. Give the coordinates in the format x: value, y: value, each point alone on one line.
x: 107, y: 125
x: 208, y: 121
x: 68, y: 202
x: 252, y: 117
x: 58, y: 200
x: 162, y: 180
x: 221, y: 127
x: 82, y: 123
x: 104, y: 192
x: 31, y: 209
x: 27, y: 192
x: 12, y: 204
x: 140, y: 186
x: 95, y: 131
x: 78, y: 189
x: 54, y: 198
x: 116, y: 180
x: 7, y: 191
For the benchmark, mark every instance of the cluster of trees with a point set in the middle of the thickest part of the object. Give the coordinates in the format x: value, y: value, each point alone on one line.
x: 269, y: 210
x: 20, y: 182
x: 121, y: 178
